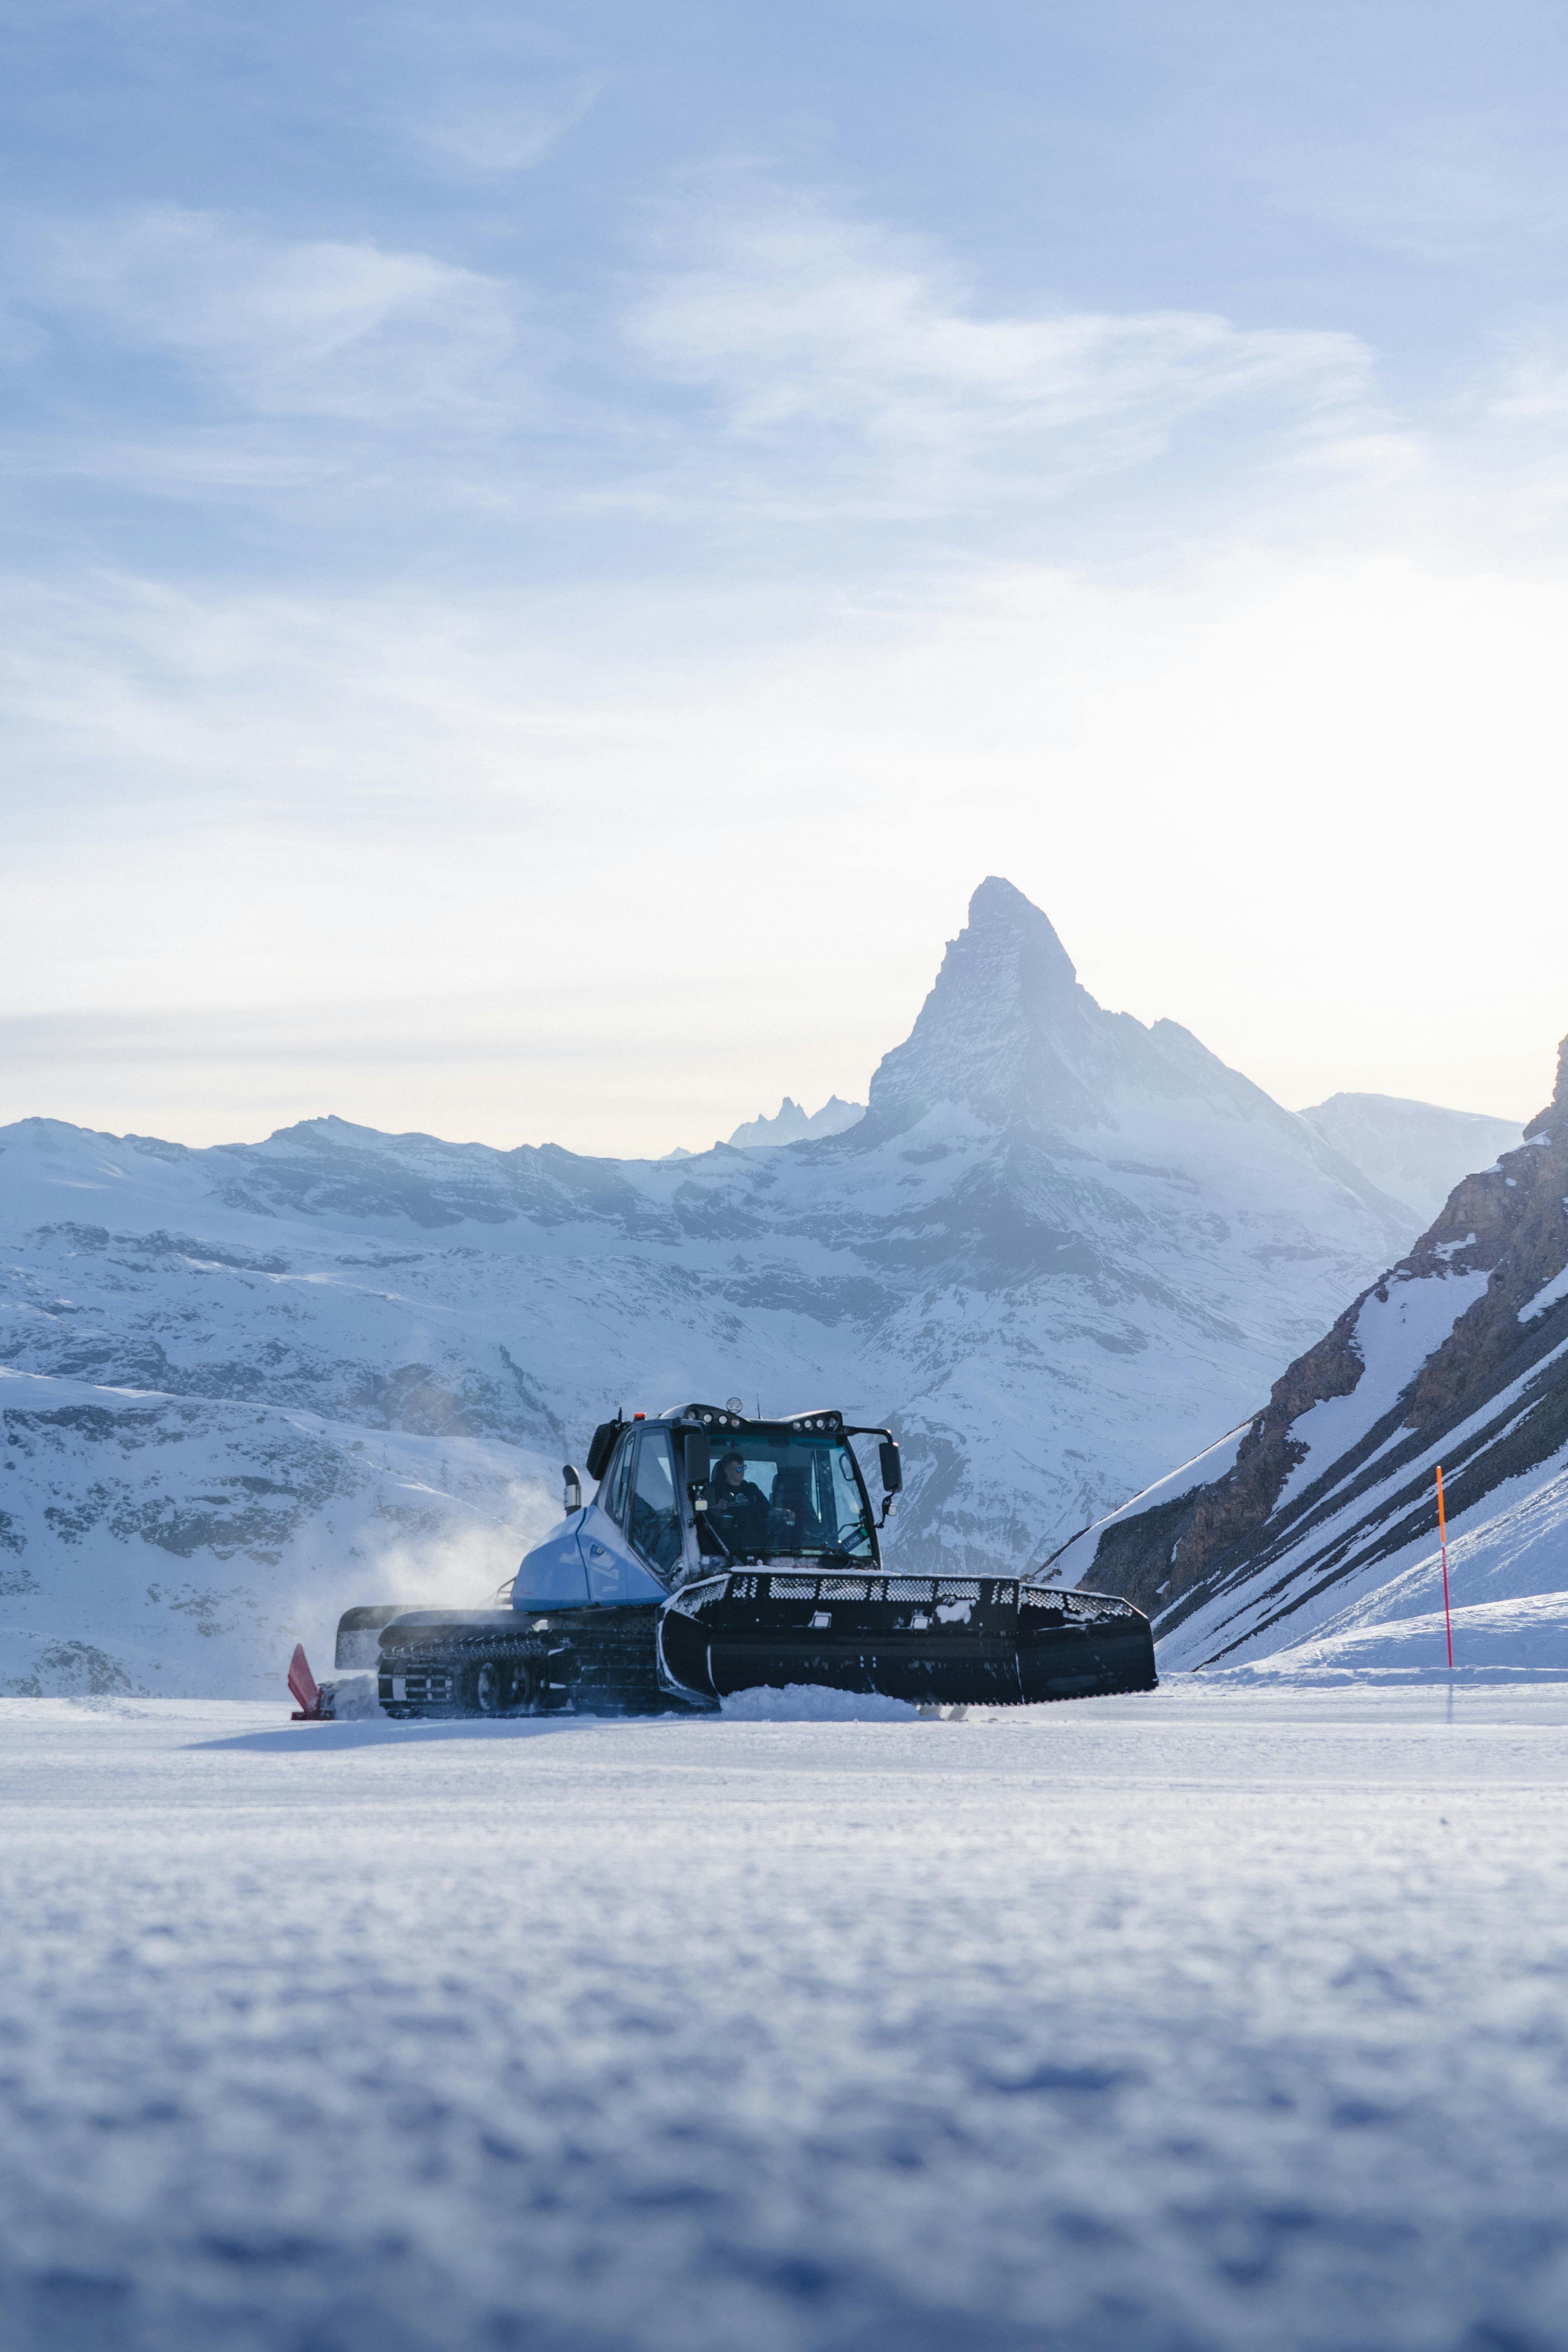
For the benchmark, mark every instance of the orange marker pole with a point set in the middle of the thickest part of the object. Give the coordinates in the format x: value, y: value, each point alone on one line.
x: 1443, y: 1540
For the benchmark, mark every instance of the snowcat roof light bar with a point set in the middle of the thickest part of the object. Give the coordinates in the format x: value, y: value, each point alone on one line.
x: 826, y: 1422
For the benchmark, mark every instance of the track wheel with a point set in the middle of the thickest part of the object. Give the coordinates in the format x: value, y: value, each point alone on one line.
x: 499, y: 1686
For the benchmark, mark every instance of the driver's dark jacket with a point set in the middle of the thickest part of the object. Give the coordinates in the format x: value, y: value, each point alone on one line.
x: 740, y: 1514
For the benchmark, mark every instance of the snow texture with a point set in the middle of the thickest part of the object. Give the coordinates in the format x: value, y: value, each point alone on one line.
x: 1395, y: 1334
x: 249, y: 1386
x: 1196, y: 2022
x: 1502, y: 1641
x: 1546, y: 1296
x: 809, y: 1703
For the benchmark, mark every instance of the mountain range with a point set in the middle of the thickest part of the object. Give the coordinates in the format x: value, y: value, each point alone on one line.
x: 791, y: 1123
x: 1412, y: 1151
x: 243, y: 1386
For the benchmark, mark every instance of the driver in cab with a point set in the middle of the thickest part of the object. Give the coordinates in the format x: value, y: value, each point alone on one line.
x: 740, y: 1510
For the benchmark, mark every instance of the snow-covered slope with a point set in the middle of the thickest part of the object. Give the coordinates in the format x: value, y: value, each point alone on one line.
x: 247, y: 1385
x: 1314, y: 1530
x: 1414, y: 1152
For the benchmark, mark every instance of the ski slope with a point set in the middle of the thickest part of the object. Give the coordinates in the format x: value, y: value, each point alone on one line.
x: 1220, y: 2018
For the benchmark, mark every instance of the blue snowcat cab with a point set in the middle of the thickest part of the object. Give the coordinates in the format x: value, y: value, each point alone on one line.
x: 720, y: 1553
x: 701, y: 1488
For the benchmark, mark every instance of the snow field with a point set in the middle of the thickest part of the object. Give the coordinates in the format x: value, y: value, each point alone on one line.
x: 1515, y: 1641
x: 1217, y: 2018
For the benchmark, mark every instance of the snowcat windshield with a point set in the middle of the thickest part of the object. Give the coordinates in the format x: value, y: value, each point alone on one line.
x: 789, y: 1495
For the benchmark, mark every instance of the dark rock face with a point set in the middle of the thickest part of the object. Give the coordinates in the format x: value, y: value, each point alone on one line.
x: 1508, y: 1225
x: 1160, y: 1556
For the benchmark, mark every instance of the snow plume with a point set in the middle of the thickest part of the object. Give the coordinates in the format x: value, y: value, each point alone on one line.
x: 462, y: 1567
x: 462, y: 1549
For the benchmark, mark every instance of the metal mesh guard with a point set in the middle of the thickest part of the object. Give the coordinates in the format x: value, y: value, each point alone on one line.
x: 1077, y: 1604
x: 927, y: 1592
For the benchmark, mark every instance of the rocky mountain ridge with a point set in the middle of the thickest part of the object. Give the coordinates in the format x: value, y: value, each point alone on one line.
x: 1325, y: 1502
x: 791, y: 1123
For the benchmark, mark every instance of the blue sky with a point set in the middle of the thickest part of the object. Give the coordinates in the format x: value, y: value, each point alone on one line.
x: 549, y: 552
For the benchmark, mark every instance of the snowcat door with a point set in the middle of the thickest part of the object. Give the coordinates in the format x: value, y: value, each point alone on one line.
x: 619, y: 1524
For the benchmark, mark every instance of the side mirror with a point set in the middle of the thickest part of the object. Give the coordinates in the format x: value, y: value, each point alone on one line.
x: 573, y: 1486
x: 698, y: 1466
x: 601, y: 1444
x: 892, y: 1468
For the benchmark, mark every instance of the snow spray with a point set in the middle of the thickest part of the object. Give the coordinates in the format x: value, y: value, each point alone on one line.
x: 1443, y: 1543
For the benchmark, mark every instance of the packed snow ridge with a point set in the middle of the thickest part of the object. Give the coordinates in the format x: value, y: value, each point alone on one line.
x: 243, y: 1386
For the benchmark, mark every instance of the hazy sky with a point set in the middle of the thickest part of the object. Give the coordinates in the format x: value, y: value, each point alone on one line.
x: 549, y: 550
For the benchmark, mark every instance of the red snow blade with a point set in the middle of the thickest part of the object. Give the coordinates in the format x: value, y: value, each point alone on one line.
x: 304, y: 1686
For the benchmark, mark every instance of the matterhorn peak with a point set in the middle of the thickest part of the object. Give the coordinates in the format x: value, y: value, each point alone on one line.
x: 1008, y: 1033
x: 998, y: 909
x: 1011, y: 1036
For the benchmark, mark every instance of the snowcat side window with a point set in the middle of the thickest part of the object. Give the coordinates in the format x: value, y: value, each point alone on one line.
x: 615, y: 1483
x: 654, y: 1526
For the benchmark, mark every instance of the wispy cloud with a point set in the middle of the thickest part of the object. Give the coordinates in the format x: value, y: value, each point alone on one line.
x: 1449, y: 192
x: 803, y: 327
x: 778, y: 359
x: 316, y: 328
x: 493, y: 134
x: 1532, y: 387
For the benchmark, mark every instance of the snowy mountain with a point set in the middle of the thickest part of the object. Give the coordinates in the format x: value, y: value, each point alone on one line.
x: 247, y: 1385
x: 792, y: 1124
x: 1313, y: 1529
x: 1414, y: 1152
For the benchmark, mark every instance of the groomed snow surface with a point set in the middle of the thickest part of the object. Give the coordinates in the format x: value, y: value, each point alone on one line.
x: 1227, y: 2017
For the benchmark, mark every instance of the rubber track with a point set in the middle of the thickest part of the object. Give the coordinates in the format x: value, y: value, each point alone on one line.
x: 635, y: 1692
